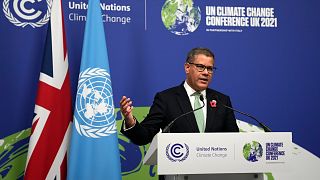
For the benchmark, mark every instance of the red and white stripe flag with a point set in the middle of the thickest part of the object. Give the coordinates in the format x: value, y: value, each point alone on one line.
x: 47, y: 153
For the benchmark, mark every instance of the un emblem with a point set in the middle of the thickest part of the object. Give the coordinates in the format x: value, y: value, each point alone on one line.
x: 94, y: 110
x: 177, y: 152
x: 27, y: 12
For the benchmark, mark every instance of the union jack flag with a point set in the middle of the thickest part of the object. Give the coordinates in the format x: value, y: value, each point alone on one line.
x: 47, y: 153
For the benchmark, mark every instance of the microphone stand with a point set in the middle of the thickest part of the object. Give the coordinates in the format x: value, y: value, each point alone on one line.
x: 264, y: 127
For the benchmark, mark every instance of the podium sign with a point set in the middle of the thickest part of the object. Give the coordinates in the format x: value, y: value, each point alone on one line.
x: 209, y: 153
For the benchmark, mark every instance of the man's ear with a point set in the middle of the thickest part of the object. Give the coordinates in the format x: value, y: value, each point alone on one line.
x: 186, y: 68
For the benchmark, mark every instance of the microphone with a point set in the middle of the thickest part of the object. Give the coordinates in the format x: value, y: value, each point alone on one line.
x: 167, y: 128
x: 265, y: 128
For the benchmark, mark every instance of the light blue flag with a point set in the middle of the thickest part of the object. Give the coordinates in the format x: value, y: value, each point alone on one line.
x: 94, y: 152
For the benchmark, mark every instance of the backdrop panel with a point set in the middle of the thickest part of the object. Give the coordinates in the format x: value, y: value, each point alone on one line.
x: 267, y: 55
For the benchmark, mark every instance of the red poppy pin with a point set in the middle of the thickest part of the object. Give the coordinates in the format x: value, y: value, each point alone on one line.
x: 213, y: 103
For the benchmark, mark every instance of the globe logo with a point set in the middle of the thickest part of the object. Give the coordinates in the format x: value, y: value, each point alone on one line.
x: 252, y: 151
x: 180, y: 16
x: 177, y: 152
x: 94, y: 109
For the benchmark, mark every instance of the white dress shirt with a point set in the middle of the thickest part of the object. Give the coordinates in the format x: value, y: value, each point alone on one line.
x: 190, y: 91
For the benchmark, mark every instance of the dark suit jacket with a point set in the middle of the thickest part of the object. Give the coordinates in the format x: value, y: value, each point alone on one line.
x: 173, y: 102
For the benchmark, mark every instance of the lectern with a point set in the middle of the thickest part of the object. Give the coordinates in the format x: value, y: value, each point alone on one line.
x: 220, y: 155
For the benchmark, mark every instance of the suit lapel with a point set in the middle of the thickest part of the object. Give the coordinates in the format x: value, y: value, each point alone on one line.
x: 184, y: 103
x: 210, y: 112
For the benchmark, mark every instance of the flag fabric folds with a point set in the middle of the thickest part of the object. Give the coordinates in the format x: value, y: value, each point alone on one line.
x: 94, y: 152
x: 47, y: 153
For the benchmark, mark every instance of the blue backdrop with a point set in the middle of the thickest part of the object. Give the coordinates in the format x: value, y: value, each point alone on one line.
x: 270, y: 72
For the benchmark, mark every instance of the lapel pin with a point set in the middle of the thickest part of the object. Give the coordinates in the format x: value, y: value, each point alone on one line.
x: 213, y: 103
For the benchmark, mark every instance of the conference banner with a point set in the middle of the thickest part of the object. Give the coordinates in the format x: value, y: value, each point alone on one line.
x: 266, y: 54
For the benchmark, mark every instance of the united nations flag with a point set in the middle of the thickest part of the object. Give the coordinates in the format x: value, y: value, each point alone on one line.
x: 94, y: 152
x: 94, y: 115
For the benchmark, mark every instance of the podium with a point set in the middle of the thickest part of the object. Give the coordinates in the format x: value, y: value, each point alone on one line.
x: 220, y: 155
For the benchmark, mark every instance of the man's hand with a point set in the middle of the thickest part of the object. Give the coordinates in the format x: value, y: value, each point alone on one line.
x: 126, y: 110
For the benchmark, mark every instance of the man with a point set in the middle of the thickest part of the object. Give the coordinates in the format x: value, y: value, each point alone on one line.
x: 173, y: 102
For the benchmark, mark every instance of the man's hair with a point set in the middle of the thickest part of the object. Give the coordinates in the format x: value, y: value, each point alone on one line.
x: 199, y: 50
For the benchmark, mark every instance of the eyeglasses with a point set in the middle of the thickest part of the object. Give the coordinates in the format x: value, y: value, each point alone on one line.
x: 201, y: 67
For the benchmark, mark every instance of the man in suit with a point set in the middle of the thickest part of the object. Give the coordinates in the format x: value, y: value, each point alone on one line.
x: 173, y: 102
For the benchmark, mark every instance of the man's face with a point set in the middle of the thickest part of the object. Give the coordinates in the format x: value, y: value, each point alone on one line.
x: 199, y: 80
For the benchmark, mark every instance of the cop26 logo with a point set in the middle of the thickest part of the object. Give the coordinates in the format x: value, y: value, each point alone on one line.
x: 22, y: 13
x: 252, y: 151
x: 180, y: 17
x: 177, y: 152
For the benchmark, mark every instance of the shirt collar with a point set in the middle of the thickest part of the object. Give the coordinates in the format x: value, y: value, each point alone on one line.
x: 190, y: 91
